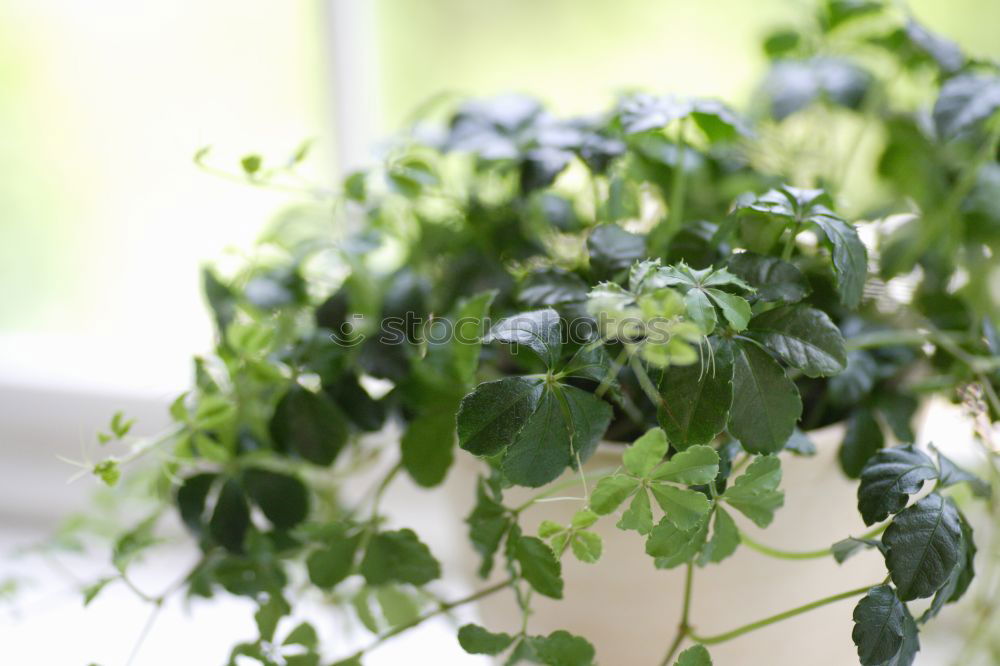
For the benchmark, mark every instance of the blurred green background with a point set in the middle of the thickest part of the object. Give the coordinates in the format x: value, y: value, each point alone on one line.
x: 103, y: 216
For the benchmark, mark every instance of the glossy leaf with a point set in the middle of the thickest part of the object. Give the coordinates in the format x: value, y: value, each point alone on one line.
x: 490, y: 417
x: 880, y: 620
x: 284, y: 499
x: 802, y: 337
x: 924, y: 544
x: 766, y: 404
x: 538, y: 330
x: 888, y: 480
x: 697, y: 399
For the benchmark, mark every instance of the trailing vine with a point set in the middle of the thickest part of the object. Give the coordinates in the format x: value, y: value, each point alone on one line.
x: 669, y: 275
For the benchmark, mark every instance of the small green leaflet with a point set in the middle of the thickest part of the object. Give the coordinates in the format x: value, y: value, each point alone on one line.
x: 539, y: 566
x: 694, y: 466
x: 773, y: 278
x: 725, y: 538
x: 696, y: 655
x: 476, y: 640
x: 610, y: 492
x: 755, y: 494
x: 645, y: 453
x: 561, y: 648
x: 924, y: 543
x: 671, y: 546
x: 399, y: 556
x: 310, y: 425
x: 488, y: 523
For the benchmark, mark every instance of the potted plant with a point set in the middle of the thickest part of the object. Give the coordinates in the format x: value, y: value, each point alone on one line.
x: 669, y: 276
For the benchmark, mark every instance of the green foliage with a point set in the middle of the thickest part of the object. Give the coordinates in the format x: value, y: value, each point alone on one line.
x: 674, y: 278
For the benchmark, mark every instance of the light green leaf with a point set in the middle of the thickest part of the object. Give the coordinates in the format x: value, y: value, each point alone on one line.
x: 695, y: 655
x: 646, y: 452
x: 587, y: 546
x: 639, y: 515
x: 684, y: 508
x: 610, y: 492
x: 725, y: 538
x: 561, y: 648
x: 694, y: 466
x: 700, y: 310
x: 755, y: 493
x: 672, y: 547
x: 735, y: 308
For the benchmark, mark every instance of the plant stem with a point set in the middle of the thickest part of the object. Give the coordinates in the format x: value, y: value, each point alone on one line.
x: 611, y: 373
x: 786, y: 252
x: 801, y: 554
x: 682, y: 628
x: 759, y: 624
x: 440, y: 610
x: 645, y: 382
x: 569, y: 483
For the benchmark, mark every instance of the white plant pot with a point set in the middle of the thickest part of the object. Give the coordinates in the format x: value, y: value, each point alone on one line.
x: 630, y: 611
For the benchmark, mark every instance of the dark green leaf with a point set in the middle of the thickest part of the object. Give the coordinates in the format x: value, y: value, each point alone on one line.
x: 879, y: 620
x: 924, y: 546
x: 490, y: 417
x: 959, y: 578
x: 612, y: 249
x: 697, y: 398
x: 802, y: 337
x: 862, y: 440
x: 334, y: 560
x: 476, y: 640
x: 231, y: 517
x: 898, y: 410
x: 792, y: 85
x: 565, y: 427
x: 399, y: 556
x: 950, y: 474
x: 191, y: 498
x: 488, y: 522
x: 850, y: 258
x: 774, y: 279
x: 766, y: 404
x: 889, y: 478
x: 284, y: 499
x: 964, y: 102
x: 539, y: 330
x: 310, y: 425
x: 427, y: 446
x: 552, y: 286
x: 735, y: 308
x: 847, y: 548
x: 539, y: 566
